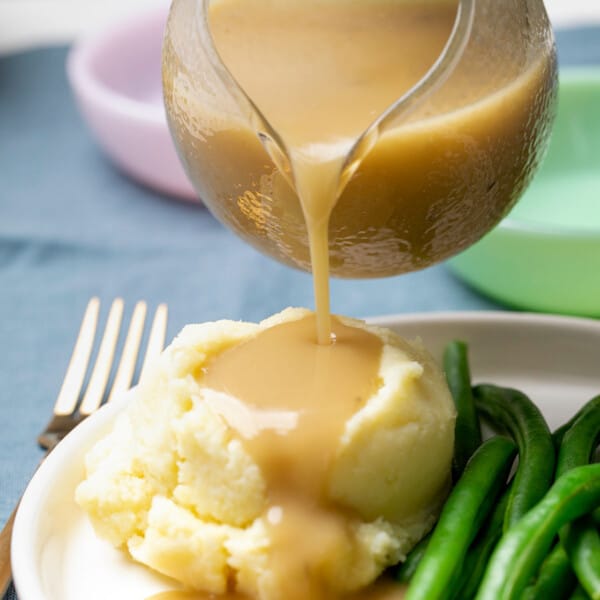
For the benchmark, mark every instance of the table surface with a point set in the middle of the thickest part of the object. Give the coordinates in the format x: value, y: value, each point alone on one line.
x: 72, y: 227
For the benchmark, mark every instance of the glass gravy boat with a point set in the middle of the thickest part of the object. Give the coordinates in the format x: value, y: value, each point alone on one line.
x: 428, y: 177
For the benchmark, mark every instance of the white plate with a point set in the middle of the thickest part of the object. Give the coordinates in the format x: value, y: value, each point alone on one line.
x: 56, y: 555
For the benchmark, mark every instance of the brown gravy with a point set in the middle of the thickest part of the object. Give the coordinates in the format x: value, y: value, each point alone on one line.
x: 298, y: 395
x: 289, y: 399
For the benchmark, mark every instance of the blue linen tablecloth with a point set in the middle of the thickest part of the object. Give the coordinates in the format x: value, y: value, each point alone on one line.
x: 72, y: 227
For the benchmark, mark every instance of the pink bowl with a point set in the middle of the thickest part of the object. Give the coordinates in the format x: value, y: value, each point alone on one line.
x: 116, y: 80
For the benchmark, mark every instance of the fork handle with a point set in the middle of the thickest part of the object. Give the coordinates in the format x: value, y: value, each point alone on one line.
x: 5, y: 536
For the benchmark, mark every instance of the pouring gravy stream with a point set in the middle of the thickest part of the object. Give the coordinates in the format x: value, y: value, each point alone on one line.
x: 350, y: 73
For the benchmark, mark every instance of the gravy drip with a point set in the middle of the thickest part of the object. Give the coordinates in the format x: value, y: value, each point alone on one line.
x: 289, y: 399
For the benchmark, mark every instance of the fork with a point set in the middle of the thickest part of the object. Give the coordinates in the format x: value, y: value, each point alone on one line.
x: 71, y: 407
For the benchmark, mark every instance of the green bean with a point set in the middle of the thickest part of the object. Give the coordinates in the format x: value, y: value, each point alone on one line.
x: 579, y: 594
x: 406, y: 570
x: 555, y: 579
x: 580, y: 538
x: 480, y: 551
x: 514, y: 412
x: 582, y: 544
x: 579, y: 440
x: 467, y: 436
x: 523, y: 548
x: 558, y: 434
x: 465, y: 509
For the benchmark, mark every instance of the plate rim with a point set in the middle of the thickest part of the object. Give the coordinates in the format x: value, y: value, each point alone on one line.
x: 487, y: 317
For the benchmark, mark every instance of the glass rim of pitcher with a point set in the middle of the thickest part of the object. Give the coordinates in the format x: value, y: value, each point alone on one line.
x: 436, y: 75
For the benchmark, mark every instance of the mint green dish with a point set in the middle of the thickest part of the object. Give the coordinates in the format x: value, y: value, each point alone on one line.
x: 545, y: 255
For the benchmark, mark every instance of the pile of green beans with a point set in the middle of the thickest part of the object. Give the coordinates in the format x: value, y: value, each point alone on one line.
x: 522, y: 531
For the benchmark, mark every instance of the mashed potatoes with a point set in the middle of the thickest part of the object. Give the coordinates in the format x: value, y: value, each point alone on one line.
x: 174, y: 484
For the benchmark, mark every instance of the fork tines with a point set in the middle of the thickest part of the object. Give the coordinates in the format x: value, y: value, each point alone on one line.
x: 71, y: 407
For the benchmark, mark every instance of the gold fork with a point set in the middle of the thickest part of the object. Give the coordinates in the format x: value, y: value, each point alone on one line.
x: 71, y: 407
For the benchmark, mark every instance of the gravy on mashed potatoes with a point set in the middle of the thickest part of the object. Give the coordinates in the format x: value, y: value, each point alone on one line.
x: 196, y: 481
